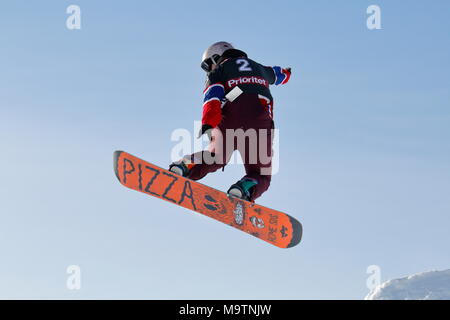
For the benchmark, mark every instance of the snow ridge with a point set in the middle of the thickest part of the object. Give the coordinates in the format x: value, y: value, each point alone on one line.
x: 431, y: 285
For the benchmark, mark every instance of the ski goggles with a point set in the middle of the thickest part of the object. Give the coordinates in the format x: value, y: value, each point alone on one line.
x: 208, y: 63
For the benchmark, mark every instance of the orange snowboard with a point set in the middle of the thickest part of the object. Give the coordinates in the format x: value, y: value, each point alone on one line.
x: 267, y: 224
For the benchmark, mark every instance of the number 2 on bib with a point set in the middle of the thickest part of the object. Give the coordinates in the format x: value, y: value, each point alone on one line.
x: 244, y: 65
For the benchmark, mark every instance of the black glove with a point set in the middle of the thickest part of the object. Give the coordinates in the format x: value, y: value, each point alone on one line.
x: 206, y: 128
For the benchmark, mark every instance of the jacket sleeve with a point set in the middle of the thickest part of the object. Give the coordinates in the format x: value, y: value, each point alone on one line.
x: 278, y: 75
x: 213, y: 95
x: 212, y: 104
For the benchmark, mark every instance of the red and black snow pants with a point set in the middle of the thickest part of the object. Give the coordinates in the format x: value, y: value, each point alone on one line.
x: 246, y: 126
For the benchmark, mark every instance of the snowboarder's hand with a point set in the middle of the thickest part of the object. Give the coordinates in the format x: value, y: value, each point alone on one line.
x: 206, y: 128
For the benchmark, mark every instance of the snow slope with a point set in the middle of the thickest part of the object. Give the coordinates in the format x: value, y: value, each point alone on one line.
x: 432, y: 285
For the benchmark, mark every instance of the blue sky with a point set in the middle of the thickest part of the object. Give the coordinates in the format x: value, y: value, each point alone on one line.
x: 364, y: 147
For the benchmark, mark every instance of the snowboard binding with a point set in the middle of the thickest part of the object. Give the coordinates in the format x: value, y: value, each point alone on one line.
x: 179, y: 167
x: 243, y: 189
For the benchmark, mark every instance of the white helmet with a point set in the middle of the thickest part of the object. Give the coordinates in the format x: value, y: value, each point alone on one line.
x: 213, y: 53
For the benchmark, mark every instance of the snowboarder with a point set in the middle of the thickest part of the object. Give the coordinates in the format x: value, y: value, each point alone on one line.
x: 228, y: 68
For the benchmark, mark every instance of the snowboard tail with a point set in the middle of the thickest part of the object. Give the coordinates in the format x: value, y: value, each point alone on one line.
x: 267, y: 224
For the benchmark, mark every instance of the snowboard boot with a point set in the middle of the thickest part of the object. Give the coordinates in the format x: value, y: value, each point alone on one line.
x: 243, y: 189
x: 181, y: 167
